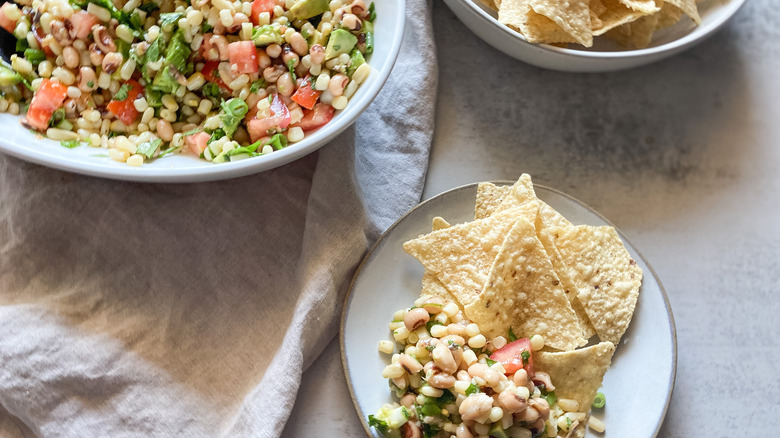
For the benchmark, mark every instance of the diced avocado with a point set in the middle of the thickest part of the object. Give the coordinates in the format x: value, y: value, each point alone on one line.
x: 221, y: 158
x: 305, y: 9
x: 356, y: 59
x: 497, y: 432
x: 340, y: 41
x: 8, y: 76
x: 317, y: 38
x: 267, y: 34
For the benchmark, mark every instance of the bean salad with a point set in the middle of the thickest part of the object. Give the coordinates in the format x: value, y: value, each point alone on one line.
x: 223, y: 80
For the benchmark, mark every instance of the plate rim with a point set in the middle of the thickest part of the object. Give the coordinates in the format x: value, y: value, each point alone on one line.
x: 372, y: 251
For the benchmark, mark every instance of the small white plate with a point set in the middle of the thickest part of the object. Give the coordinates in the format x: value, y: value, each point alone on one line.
x: 638, y: 385
x: 20, y: 142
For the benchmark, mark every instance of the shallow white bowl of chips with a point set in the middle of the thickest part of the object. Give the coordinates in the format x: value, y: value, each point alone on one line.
x: 604, y: 55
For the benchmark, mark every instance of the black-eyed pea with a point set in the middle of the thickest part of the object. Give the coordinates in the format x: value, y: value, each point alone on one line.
x: 512, y: 401
x: 442, y: 380
x: 410, y: 364
x: 476, y: 407
x: 416, y: 318
x: 544, y: 378
x: 541, y: 406
x: 490, y: 376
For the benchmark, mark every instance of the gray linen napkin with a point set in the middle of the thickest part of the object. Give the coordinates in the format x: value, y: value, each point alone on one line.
x: 191, y: 310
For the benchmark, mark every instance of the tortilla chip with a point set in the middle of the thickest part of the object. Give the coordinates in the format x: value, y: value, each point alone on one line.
x: 572, y: 16
x: 523, y: 292
x: 646, y: 7
x: 569, y: 284
x: 489, y: 197
x: 607, y: 278
x: 610, y: 14
x: 535, y: 27
x: 577, y: 375
x: 439, y: 223
x: 688, y: 7
x: 431, y: 287
x: 460, y: 256
x: 669, y: 16
x: 638, y: 33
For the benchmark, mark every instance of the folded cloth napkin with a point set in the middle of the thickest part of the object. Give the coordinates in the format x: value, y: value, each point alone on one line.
x: 192, y: 310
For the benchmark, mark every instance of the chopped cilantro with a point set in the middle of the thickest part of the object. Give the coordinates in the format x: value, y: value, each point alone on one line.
x: 489, y: 362
x: 551, y: 398
x: 211, y: 90
x: 511, y: 335
x: 148, y: 148
x: 233, y: 112
x: 568, y: 421
x: 21, y: 44
x: 380, y: 425
x: 257, y: 85
x: 600, y: 400
x: 291, y: 68
x: 430, y: 324
x: 57, y: 117
x: 90, y: 84
x: 70, y: 144
x: 446, y: 398
x: 149, y: 7
x: 472, y: 389
x: 525, y: 354
x: 121, y: 94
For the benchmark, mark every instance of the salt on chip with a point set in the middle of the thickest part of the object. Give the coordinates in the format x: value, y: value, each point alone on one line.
x: 536, y: 28
x: 489, y: 197
x: 461, y: 256
x: 578, y: 374
x: 524, y: 293
x: 608, y: 279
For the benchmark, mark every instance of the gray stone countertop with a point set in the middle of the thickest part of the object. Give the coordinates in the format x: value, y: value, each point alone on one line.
x: 683, y: 156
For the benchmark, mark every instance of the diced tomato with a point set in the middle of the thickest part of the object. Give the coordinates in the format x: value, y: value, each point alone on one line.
x: 305, y: 95
x: 81, y: 24
x: 321, y: 114
x: 211, y: 73
x: 47, y: 99
x: 511, y: 357
x: 197, y: 142
x: 243, y: 56
x: 260, y: 6
x: 277, y: 121
x: 124, y: 110
x: 5, y: 22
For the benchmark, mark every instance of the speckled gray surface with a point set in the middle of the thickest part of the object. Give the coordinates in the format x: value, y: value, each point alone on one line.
x: 683, y: 156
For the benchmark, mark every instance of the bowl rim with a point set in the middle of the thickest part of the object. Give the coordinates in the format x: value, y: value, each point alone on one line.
x: 692, y: 37
x: 200, y: 172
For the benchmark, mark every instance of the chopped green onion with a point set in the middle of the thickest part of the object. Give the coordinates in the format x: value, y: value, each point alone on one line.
x: 371, y: 12
x: 472, y: 389
x: 551, y: 398
x: 233, y: 112
x: 70, y: 144
x: 34, y: 56
x: 600, y: 400
x: 149, y: 148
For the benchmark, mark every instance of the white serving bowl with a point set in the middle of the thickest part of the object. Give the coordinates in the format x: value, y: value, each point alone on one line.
x: 604, y: 55
x: 20, y: 142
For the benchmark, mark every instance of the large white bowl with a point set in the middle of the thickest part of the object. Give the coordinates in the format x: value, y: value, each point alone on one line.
x: 604, y: 55
x: 18, y: 141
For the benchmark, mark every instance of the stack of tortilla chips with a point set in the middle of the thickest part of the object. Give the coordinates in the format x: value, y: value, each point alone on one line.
x: 629, y: 22
x: 521, y: 265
